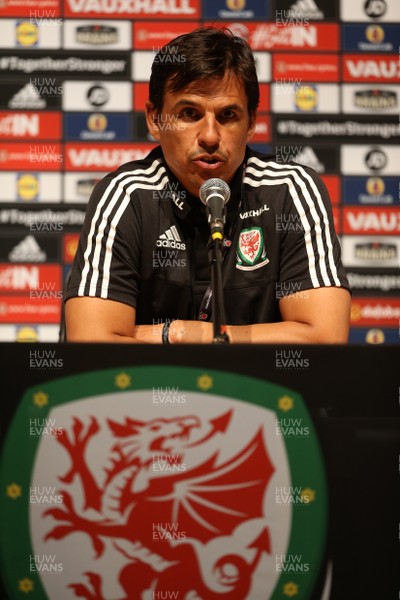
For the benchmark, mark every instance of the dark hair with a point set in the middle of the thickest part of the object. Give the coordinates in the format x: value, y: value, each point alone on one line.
x: 205, y: 53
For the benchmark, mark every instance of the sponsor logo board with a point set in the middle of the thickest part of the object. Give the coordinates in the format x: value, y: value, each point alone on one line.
x: 298, y: 68
x: 97, y: 96
x: 358, y: 129
x: 371, y: 67
x: 307, y: 10
x: 272, y: 36
x: 366, y: 282
x: 39, y: 93
x: 373, y: 190
x: 305, y: 98
x: 371, y: 220
x: 370, y: 160
x: 30, y: 125
x: 367, y: 99
x: 29, y: 333
x: 129, y: 9
x: 323, y: 159
x: 28, y: 187
x: 79, y: 186
x: 21, y: 309
x: 374, y: 335
x: 236, y: 9
x: 375, y: 312
x: 152, y: 35
x: 37, y: 156
x: 370, y: 10
x: 370, y: 251
x: 32, y: 33
x: 22, y: 278
x: 36, y: 247
x: 39, y: 9
x: 64, y: 64
x: 375, y: 37
x: 98, y: 157
x: 46, y: 218
x: 97, y: 34
x: 108, y: 127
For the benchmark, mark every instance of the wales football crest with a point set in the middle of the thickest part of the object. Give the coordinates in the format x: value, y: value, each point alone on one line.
x: 251, y: 253
x: 161, y: 482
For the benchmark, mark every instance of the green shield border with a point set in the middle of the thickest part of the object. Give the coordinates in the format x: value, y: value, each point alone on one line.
x: 305, y: 460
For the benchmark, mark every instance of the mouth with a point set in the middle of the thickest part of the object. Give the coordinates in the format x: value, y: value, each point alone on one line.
x: 208, y: 162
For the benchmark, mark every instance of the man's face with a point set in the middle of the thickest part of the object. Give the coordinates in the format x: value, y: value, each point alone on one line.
x: 203, y: 130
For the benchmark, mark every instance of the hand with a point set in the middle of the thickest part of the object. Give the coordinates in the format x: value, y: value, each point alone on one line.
x: 190, y: 332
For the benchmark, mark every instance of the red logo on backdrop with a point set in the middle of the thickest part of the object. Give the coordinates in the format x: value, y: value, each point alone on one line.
x: 297, y: 68
x: 265, y: 97
x: 70, y: 245
x: 371, y: 220
x: 30, y: 125
x: 40, y: 9
x: 262, y: 133
x: 44, y: 308
x: 375, y: 312
x: 271, y: 36
x: 23, y: 278
x: 332, y: 183
x: 129, y: 9
x: 150, y: 35
x: 370, y: 67
x: 36, y: 156
x: 103, y: 157
x: 336, y: 219
x: 140, y: 96
x: 193, y: 510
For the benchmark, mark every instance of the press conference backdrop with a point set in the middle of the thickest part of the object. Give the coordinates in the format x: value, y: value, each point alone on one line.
x: 74, y: 77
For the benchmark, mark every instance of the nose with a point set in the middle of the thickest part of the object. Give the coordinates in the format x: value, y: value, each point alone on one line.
x: 209, y: 134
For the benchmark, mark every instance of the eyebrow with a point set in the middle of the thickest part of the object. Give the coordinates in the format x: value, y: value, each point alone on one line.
x: 187, y: 102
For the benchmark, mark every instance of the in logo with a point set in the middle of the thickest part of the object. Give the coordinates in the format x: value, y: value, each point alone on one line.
x: 375, y: 8
x: 98, y: 95
x: 251, y: 253
x: 376, y: 159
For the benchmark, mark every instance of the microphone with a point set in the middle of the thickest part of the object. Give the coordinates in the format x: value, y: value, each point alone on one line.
x: 215, y: 193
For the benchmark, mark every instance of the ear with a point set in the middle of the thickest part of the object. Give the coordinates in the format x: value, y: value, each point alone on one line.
x: 152, y: 120
x: 252, y: 125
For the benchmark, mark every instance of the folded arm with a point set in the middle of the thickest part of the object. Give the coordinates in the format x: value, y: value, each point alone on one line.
x: 315, y: 316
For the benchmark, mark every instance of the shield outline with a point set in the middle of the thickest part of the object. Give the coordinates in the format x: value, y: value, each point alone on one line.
x: 308, y: 522
x: 260, y: 250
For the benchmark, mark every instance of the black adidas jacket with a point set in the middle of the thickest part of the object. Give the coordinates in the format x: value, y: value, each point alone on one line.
x: 144, y: 241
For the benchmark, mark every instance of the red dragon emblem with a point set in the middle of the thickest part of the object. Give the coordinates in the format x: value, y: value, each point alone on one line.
x: 200, y: 531
x: 250, y: 244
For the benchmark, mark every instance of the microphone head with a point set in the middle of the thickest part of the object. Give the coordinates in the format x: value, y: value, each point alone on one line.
x: 214, y: 186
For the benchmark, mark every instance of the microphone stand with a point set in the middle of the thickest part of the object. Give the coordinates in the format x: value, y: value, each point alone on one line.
x: 218, y: 309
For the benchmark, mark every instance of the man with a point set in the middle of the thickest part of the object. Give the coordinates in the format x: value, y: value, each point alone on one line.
x: 141, y: 273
